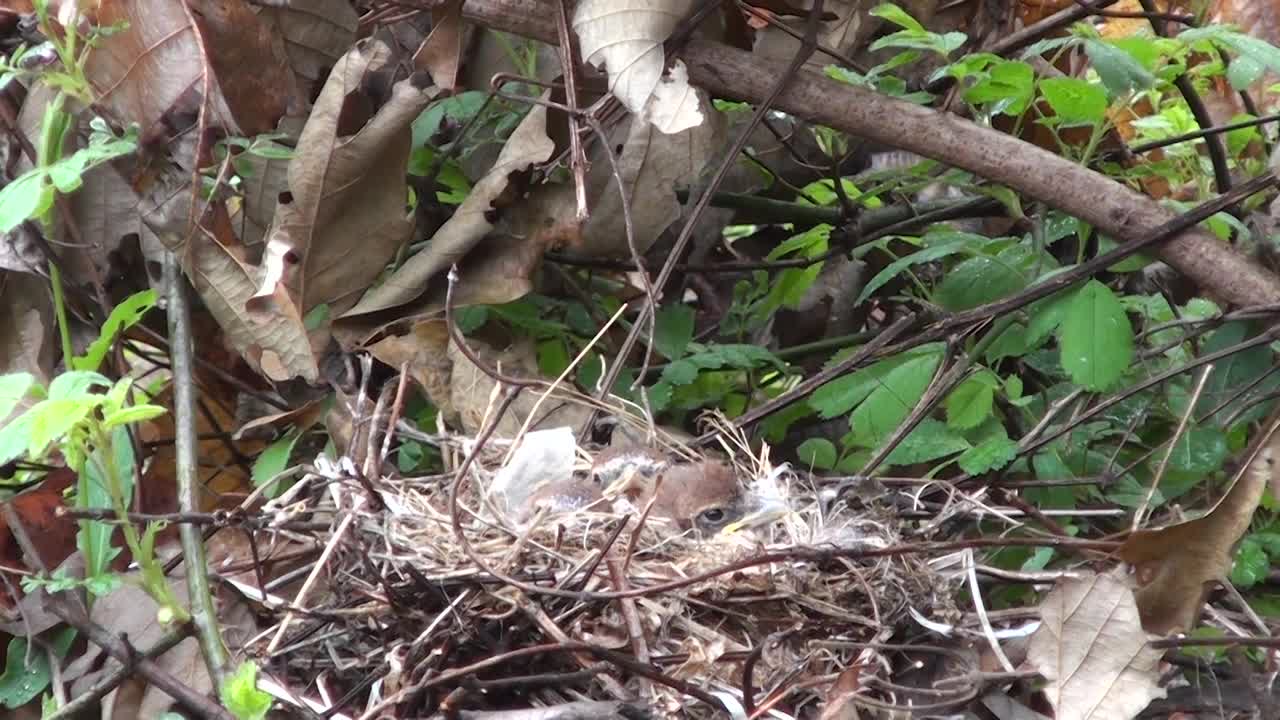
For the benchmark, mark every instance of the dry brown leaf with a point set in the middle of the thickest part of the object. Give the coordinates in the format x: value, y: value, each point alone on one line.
x: 470, y: 390
x: 130, y: 612
x: 441, y: 51
x: 626, y: 37
x: 842, y: 703
x: 849, y: 28
x: 426, y: 350
x: 271, y: 337
x: 652, y: 165
x: 26, y: 325
x: 315, y: 34
x: 463, y: 391
x: 346, y: 215
x: 261, y: 186
x: 1093, y: 650
x: 527, y: 145
x: 1173, y: 564
x: 224, y: 461
x: 150, y: 69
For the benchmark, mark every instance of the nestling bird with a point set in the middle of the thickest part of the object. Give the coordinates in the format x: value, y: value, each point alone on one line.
x: 704, y: 495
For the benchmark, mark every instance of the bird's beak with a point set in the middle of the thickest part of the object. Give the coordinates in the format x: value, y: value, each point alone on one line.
x: 765, y: 511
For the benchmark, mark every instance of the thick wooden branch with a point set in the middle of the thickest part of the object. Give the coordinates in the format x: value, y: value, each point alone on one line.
x: 1109, y: 206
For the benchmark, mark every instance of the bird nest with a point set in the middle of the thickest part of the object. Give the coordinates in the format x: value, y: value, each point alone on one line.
x: 439, y: 596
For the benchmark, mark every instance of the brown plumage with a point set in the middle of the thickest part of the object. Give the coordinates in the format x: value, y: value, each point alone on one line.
x: 704, y: 495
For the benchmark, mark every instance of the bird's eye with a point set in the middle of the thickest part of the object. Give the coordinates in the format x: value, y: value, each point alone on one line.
x: 712, y: 516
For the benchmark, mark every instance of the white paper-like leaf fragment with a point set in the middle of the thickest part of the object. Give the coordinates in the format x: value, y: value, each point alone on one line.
x: 1092, y: 649
x: 626, y: 37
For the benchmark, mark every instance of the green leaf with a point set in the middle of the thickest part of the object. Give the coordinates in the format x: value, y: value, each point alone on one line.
x: 1008, y: 88
x: 122, y: 317
x: 1119, y: 71
x: 93, y: 492
x: 817, y: 452
x: 926, y: 255
x: 674, y: 330
x: 843, y: 394
x: 1244, y: 72
x: 1242, y: 369
x: 75, y: 384
x: 970, y: 403
x: 14, y: 437
x: 51, y: 419
x: 553, y: 356
x: 1251, y: 564
x: 978, y: 281
x: 241, y: 696
x: 680, y: 372
x: 1128, y: 492
x: 132, y: 414
x: 815, y: 239
x: 1201, y: 450
x: 273, y: 460
x: 897, y: 16
x: 24, y: 198
x: 22, y: 682
x: 1075, y: 101
x: 991, y: 454
x: 928, y: 441
x: 1097, y: 339
x: 893, y: 398
x: 13, y: 388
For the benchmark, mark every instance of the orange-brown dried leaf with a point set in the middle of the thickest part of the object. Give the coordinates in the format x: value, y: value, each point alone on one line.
x: 166, y: 59
x: 1174, y: 564
x: 224, y: 463
x: 52, y: 533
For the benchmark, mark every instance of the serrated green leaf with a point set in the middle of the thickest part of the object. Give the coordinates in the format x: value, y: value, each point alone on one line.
x: 680, y: 372
x: 1238, y: 370
x: 928, y: 441
x: 970, y: 403
x: 1251, y: 564
x: 1200, y: 450
x: 1097, y: 339
x: 842, y: 394
x: 1008, y: 88
x: 893, y: 398
x: 818, y: 453
x: 991, y: 454
x: 674, y: 330
x: 977, y: 281
x: 1075, y: 101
